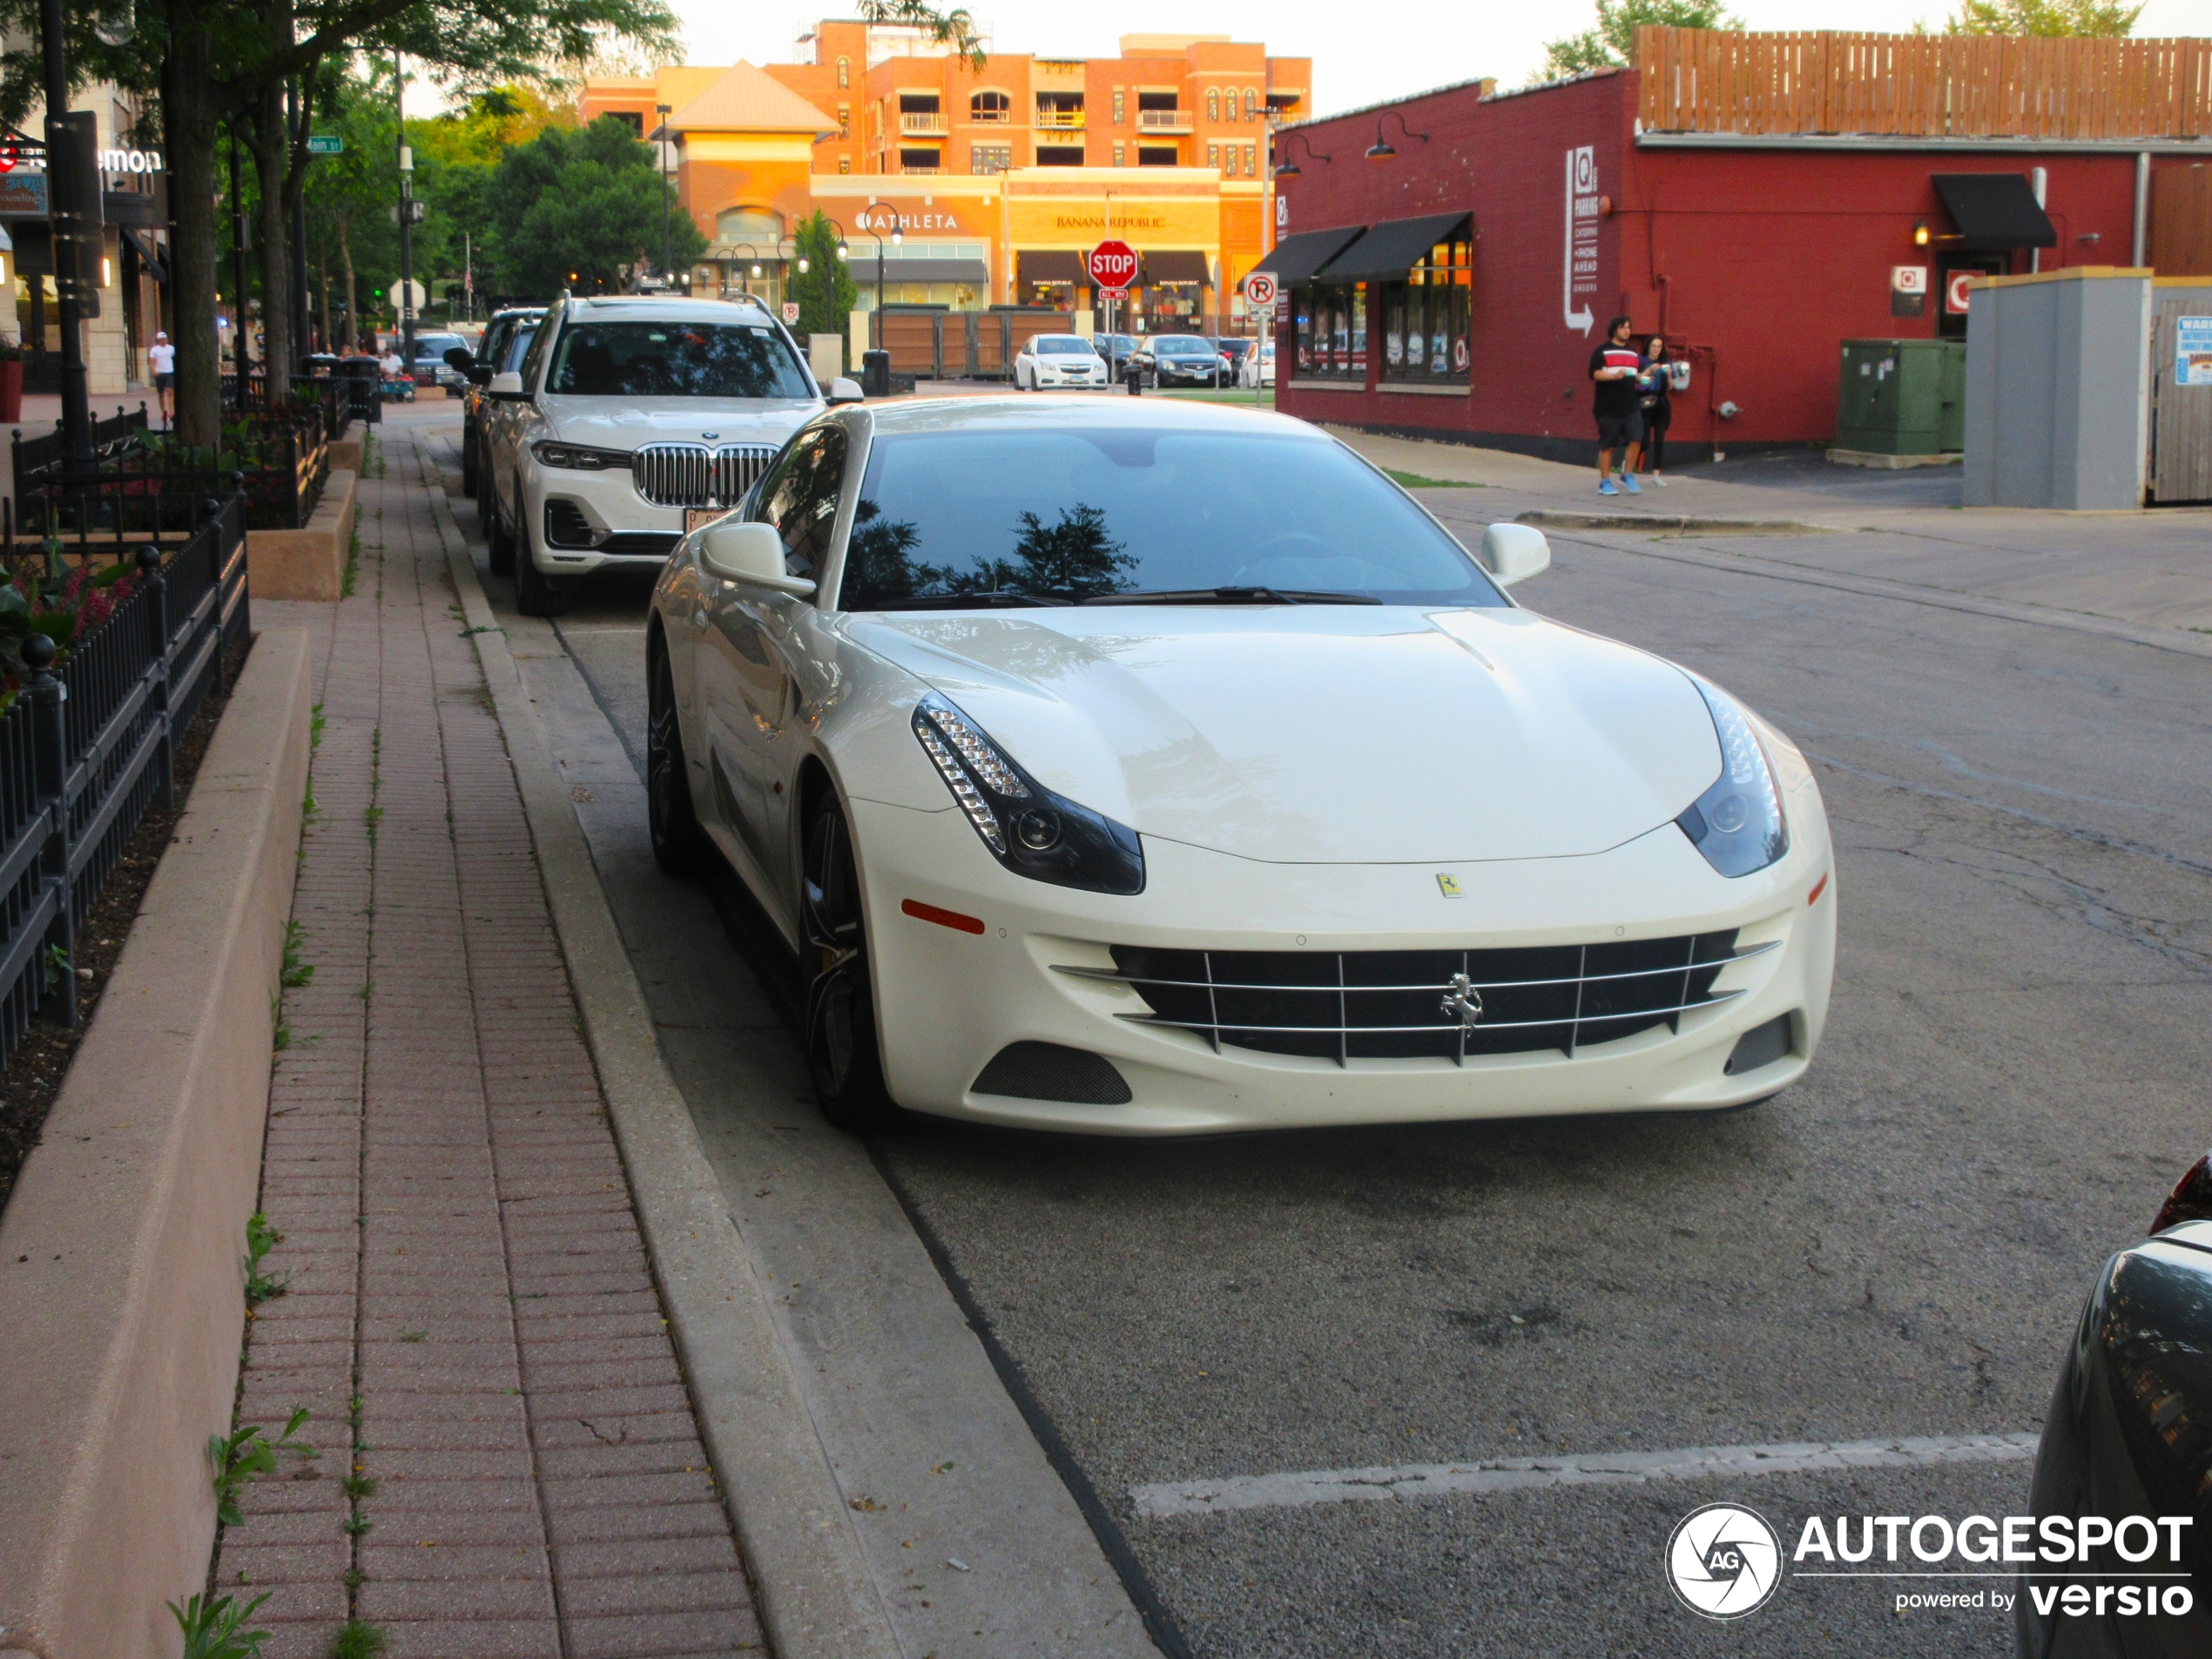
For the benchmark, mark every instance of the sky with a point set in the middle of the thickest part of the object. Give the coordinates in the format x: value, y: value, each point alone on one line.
x: 1451, y: 42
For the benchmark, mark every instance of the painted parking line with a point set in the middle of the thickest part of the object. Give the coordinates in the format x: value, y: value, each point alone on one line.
x: 1414, y: 1481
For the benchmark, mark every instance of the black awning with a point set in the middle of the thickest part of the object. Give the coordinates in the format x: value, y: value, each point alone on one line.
x: 1051, y: 265
x: 1392, y: 248
x: 1297, y: 257
x: 975, y: 271
x: 149, y: 254
x: 1176, y: 265
x: 1994, y: 211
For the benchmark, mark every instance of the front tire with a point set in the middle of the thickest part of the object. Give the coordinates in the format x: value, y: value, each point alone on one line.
x: 535, y: 593
x: 842, y: 1053
x: 680, y: 846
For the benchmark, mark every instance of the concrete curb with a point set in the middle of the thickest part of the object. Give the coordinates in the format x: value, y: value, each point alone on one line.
x: 120, y: 1292
x: 816, y: 1598
x: 1659, y: 524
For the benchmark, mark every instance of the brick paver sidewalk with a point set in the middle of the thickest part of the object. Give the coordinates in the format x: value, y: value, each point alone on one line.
x: 471, y: 1316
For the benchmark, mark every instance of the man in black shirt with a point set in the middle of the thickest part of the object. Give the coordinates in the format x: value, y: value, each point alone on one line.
x: 1613, y: 369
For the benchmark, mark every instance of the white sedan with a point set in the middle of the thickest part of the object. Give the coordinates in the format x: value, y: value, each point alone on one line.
x: 1058, y: 361
x: 1144, y: 768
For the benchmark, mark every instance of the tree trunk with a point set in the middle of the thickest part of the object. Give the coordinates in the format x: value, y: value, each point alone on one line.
x: 274, y: 230
x: 322, y: 281
x: 191, y: 108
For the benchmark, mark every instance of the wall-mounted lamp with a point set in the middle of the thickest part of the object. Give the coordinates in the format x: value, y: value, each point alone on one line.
x: 1920, y: 233
x: 2090, y: 239
x: 107, y: 272
x: 1381, y: 150
x: 1287, y: 168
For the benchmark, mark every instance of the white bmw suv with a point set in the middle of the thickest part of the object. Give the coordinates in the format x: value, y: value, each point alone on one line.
x: 631, y: 421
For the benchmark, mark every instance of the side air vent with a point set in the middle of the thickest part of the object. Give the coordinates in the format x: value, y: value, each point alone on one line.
x: 1761, y: 1046
x: 1048, y: 1071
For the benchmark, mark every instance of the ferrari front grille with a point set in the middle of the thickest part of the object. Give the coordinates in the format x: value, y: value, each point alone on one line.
x: 1415, y: 1004
x: 697, y: 475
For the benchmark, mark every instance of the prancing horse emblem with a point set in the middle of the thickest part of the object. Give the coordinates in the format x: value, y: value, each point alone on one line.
x: 1462, y: 1001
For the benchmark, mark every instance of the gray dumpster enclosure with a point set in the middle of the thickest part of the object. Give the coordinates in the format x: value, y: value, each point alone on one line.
x: 2058, y: 392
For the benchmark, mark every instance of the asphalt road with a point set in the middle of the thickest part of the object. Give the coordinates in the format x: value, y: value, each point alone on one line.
x: 2012, y: 1075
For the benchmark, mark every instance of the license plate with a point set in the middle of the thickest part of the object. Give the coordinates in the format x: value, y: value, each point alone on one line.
x: 695, y: 516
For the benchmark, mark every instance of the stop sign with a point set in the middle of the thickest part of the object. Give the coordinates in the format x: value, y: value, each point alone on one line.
x: 1112, y: 265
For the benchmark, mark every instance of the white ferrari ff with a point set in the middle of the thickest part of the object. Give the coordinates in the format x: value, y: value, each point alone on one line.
x: 1146, y: 768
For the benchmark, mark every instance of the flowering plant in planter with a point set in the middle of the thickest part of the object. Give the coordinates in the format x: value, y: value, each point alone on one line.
x: 66, y: 611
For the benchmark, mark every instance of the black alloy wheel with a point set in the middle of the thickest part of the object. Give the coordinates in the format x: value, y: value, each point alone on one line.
x: 680, y: 846
x: 535, y: 593
x: 834, y: 962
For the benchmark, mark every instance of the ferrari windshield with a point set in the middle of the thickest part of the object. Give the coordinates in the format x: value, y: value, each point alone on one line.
x: 1093, y: 515
x: 674, y: 360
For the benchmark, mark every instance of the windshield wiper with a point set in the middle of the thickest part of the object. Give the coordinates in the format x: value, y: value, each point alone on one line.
x: 1232, y: 597
x: 989, y: 598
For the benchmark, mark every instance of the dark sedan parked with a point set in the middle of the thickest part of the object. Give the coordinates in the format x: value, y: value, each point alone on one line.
x: 2126, y: 1457
x: 1179, y: 360
x: 507, y: 336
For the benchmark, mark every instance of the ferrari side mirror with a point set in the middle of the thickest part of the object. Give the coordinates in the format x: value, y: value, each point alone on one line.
x: 1515, y: 552
x: 739, y: 551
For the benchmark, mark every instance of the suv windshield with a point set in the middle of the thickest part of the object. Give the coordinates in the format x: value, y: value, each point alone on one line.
x: 1061, y: 346
x: 1084, y: 513
x: 681, y: 358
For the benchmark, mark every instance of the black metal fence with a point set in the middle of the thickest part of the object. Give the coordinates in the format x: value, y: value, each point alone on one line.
x: 144, y: 488
x: 90, y: 744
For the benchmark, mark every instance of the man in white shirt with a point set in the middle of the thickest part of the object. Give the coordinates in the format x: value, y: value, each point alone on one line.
x: 161, y: 360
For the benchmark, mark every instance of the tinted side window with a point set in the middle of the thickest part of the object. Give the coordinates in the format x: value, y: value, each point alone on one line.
x: 800, y: 500
x: 535, y: 355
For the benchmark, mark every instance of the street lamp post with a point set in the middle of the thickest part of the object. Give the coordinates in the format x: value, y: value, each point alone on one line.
x: 61, y: 165
x: 661, y: 138
x: 407, y: 242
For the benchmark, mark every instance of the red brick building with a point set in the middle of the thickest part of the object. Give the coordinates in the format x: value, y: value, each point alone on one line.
x: 1450, y: 259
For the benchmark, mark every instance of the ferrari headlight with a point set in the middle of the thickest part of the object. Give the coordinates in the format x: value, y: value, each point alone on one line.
x: 1737, y: 824
x: 1029, y: 828
x: 577, y: 457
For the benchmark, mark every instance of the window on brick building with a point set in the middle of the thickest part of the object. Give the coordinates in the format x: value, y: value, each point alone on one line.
x: 844, y: 73
x: 1119, y: 120
x: 1213, y: 103
x: 989, y: 157
x: 1425, y: 319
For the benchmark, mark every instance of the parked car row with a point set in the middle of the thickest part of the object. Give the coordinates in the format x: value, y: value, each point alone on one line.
x: 1154, y: 361
x: 598, y: 431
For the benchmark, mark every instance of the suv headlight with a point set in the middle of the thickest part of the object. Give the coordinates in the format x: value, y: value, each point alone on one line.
x: 1737, y: 824
x: 577, y: 458
x: 1029, y: 829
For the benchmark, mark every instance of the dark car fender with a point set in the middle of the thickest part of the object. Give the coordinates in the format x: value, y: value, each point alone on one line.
x: 2130, y: 1433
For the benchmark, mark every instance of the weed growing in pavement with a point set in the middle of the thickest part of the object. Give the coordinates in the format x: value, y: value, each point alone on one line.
x: 56, y: 962
x: 211, y: 1627
x: 260, y: 1239
x: 357, y: 1524
x: 357, y: 1639
x: 315, y: 724
x: 295, y: 973
x: 359, y: 1485
x: 245, y: 1456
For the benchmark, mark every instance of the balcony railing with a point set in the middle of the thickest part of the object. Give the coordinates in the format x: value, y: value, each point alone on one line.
x: 921, y: 121
x: 1163, y: 120
x: 904, y: 167
x: 1061, y: 120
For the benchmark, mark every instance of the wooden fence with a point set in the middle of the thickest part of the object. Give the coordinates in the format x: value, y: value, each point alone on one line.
x: 1948, y: 86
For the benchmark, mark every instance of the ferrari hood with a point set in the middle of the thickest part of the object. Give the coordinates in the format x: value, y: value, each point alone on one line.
x: 625, y: 423
x: 1327, y: 734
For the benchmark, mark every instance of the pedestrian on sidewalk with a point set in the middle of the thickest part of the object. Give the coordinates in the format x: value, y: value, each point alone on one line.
x: 161, y: 359
x: 1655, y: 405
x: 1614, y: 369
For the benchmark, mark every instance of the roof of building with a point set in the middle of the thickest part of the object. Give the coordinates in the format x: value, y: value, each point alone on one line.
x: 745, y: 99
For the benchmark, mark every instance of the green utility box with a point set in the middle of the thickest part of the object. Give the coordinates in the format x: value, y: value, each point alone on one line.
x: 1901, y: 397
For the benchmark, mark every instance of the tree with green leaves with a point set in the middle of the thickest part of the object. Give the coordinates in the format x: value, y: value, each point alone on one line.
x: 587, y: 210
x: 824, y: 290
x: 1612, y: 44
x: 2093, y: 19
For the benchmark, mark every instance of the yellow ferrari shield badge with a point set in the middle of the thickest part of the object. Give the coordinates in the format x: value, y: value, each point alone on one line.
x: 1449, y: 884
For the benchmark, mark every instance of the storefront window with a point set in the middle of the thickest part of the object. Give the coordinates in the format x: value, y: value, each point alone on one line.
x: 1332, y: 333
x: 1424, y: 319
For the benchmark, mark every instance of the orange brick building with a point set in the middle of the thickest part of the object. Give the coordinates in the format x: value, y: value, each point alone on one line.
x: 994, y: 180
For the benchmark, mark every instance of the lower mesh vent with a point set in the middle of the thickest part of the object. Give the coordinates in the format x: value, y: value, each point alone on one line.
x: 1048, y: 1071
